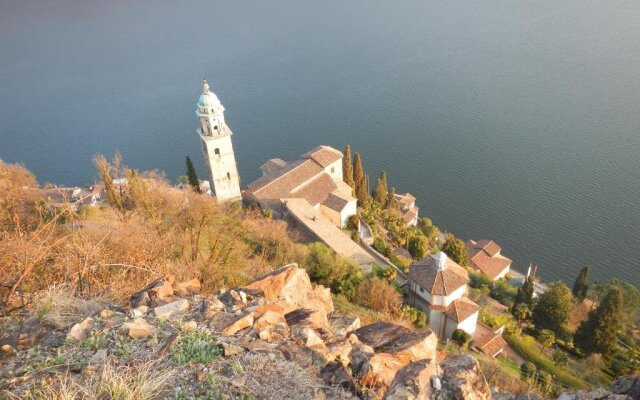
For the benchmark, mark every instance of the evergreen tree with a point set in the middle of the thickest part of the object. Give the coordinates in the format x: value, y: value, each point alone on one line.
x: 381, y: 192
x: 581, y: 285
x: 456, y: 250
x: 524, y: 294
x: 599, y: 332
x: 391, y: 199
x: 418, y: 246
x: 554, y: 308
x: 192, y: 176
x: 362, y: 191
x: 347, y: 168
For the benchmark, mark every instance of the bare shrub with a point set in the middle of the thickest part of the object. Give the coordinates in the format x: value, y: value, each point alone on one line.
x: 378, y: 295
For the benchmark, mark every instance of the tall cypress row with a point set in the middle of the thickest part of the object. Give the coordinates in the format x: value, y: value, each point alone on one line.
x: 192, y: 176
x: 347, y: 168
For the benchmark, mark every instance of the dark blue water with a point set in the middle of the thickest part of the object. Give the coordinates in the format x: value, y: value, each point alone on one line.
x: 512, y: 120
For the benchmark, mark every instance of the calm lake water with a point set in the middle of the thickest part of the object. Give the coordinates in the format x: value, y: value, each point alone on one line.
x: 512, y: 120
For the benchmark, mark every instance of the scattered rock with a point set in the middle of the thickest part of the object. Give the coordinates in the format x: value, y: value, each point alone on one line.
x: 243, y: 322
x: 157, y: 290
x: 412, y: 382
x: 81, y: 330
x: 138, y: 312
x: 172, y: 309
x: 188, y: 288
x: 268, y: 319
x: 167, y: 346
x: 139, y: 328
x: 99, y: 357
x: 229, y: 349
x: 233, y: 297
x: 594, y: 394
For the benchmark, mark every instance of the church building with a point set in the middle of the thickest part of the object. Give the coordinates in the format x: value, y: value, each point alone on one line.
x: 217, y: 147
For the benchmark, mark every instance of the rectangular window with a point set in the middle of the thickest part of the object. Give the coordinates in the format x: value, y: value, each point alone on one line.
x: 228, y: 176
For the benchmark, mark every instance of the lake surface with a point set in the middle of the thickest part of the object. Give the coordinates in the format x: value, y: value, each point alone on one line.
x: 514, y: 120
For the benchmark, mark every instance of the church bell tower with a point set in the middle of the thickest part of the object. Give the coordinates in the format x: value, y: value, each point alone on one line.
x: 217, y: 147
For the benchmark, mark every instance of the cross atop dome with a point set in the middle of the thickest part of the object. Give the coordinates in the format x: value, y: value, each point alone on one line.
x: 205, y: 87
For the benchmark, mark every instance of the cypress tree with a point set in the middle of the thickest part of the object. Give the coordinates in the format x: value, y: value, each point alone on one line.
x: 193, y: 177
x: 381, y: 192
x: 581, y: 285
x: 599, y: 332
x: 347, y: 168
x: 383, y: 178
x: 524, y: 295
x: 391, y: 199
x: 362, y: 192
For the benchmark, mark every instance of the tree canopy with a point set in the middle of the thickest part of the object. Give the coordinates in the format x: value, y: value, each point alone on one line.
x: 553, y: 309
x: 599, y: 332
x: 347, y: 167
x: 192, y: 176
x: 456, y: 250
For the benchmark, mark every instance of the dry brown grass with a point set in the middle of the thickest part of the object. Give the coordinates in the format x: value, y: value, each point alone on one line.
x: 58, y: 307
x: 145, y: 381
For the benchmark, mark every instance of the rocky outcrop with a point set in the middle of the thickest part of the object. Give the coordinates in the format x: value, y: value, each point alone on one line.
x: 462, y: 379
x: 412, y: 382
x: 629, y: 385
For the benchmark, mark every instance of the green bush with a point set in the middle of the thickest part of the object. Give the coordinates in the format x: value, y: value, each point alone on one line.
x: 503, y: 292
x: 477, y: 280
x: 326, y: 268
x: 197, y: 346
x: 418, y: 317
x: 381, y: 247
x: 527, y: 371
x: 460, y: 337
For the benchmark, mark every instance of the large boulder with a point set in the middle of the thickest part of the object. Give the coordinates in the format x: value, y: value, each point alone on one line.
x: 629, y: 385
x: 412, y: 382
x: 81, y: 330
x: 593, y: 394
x: 337, y: 375
x: 379, y: 334
x: 394, y: 350
x: 173, y: 309
x: 461, y: 379
x: 291, y: 288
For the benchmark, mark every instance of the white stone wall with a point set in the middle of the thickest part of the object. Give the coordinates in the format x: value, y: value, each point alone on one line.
x: 349, y: 210
x: 332, y: 215
x: 454, y: 295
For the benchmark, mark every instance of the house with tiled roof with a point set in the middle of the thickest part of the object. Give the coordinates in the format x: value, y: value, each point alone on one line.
x: 407, y: 203
x: 437, y: 285
x: 485, y: 256
x: 315, y: 177
x: 489, y: 341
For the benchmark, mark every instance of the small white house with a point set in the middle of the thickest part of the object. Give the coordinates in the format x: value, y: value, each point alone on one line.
x: 437, y: 285
x: 485, y: 257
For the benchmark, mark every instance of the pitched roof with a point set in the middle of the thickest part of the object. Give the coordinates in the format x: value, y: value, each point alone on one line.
x: 410, y: 215
x: 485, y: 256
x: 438, y: 281
x: 303, y: 178
x: 323, y: 155
x: 488, y: 341
x: 335, y: 202
x: 461, y: 309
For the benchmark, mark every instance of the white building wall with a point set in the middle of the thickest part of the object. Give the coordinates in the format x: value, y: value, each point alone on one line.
x: 437, y: 321
x: 335, y: 170
x: 503, y: 273
x: 350, y: 209
x: 332, y: 215
x: 455, y: 295
x: 469, y: 324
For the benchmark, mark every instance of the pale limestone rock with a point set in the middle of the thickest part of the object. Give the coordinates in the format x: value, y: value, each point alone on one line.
x: 172, y: 309
x: 231, y: 349
x: 268, y: 319
x: 139, y: 328
x: 81, y: 330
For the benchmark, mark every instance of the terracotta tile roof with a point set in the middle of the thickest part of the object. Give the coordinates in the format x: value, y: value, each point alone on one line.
x: 485, y: 256
x: 461, y: 309
x: 335, y: 202
x: 323, y: 155
x: 316, y: 190
x: 488, y: 341
x: 410, y: 215
x: 438, y: 281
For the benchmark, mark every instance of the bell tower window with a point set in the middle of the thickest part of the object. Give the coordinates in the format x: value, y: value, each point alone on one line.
x: 217, y: 152
x: 228, y: 176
